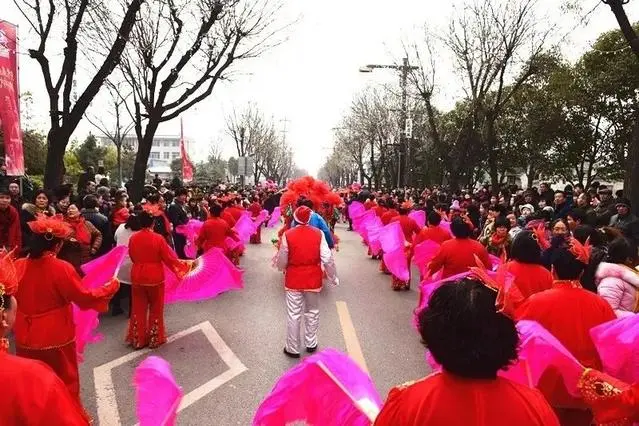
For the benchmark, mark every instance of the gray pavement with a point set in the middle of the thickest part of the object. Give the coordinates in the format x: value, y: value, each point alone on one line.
x: 248, y: 330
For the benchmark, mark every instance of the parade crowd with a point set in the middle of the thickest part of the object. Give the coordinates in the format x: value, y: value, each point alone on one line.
x: 569, y: 255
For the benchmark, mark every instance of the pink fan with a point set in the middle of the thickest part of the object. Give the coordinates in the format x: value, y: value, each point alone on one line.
x: 260, y: 218
x: 86, y: 324
x: 374, y: 228
x: 213, y: 274
x: 540, y: 353
x: 423, y: 253
x: 397, y: 264
x: 419, y: 216
x: 617, y: 342
x: 391, y: 237
x: 191, y: 231
x: 360, y: 221
x: 244, y: 228
x: 100, y: 271
x: 157, y: 394
x: 446, y: 225
x: 356, y: 209
x: 494, y: 261
x: 231, y: 244
x: 275, y: 217
x: 326, y: 389
x: 428, y: 287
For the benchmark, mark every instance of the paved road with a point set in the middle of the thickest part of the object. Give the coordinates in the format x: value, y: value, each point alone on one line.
x: 226, y: 353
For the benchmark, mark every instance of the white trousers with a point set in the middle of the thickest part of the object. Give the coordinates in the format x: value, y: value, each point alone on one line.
x: 296, y: 303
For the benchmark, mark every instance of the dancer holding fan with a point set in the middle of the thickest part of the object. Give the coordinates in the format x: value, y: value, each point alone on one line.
x: 44, y: 327
x: 149, y: 252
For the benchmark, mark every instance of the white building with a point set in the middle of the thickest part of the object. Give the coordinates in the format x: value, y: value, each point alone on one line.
x: 164, y: 150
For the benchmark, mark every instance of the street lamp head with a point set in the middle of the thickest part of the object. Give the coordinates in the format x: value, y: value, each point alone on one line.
x: 367, y: 68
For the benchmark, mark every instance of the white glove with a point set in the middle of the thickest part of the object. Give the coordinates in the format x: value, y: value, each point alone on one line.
x: 335, y: 282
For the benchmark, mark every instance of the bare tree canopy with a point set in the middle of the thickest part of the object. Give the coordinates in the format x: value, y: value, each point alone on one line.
x: 180, y: 50
x: 73, y: 23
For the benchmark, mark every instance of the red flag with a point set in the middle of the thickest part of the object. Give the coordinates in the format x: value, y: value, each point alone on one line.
x: 187, y: 166
x: 10, y: 99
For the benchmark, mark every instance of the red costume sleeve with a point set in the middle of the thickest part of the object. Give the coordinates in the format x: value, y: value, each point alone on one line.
x: 58, y: 400
x: 169, y: 258
x: 72, y: 290
x: 202, y: 236
x: 437, y: 262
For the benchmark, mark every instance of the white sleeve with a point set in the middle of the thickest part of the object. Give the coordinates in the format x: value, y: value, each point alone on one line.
x: 282, y: 255
x: 327, y: 259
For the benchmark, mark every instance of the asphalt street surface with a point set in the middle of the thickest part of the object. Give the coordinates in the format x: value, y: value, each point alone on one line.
x: 227, y: 354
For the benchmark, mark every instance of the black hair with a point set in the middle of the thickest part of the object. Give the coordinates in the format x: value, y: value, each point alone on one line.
x: 559, y: 191
x: 216, y: 210
x: 90, y: 201
x: 459, y: 228
x: 434, y: 218
x: 565, y: 264
x: 101, y: 170
x: 146, y: 220
x: 38, y: 245
x: 133, y: 222
x: 42, y: 191
x: 181, y: 191
x: 501, y: 210
x: 583, y: 233
x: 502, y: 222
x: 371, y: 197
x: 578, y: 215
x: 6, y: 301
x: 153, y: 198
x: 465, y: 334
x: 620, y: 250
x: 556, y: 221
x: 525, y: 248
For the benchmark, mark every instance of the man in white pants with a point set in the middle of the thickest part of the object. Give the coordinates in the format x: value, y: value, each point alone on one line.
x: 303, y: 251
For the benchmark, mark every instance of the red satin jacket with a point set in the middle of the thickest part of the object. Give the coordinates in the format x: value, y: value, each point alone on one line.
x: 149, y: 253
x: 213, y: 233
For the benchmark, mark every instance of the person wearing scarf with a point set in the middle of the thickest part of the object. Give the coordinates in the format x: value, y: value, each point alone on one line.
x: 83, y: 243
x: 44, y: 328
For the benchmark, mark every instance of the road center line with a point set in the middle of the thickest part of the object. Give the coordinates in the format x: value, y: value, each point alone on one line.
x: 350, y: 336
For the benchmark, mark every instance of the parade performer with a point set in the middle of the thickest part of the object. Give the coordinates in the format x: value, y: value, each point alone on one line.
x: 386, y: 218
x: 457, y: 255
x: 410, y: 229
x: 178, y: 215
x: 32, y: 393
x: 303, y: 251
x: 149, y: 253
x: 568, y: 312
x: 472, y: 341
x: 525, y: 265
x: 44, y: 328
x: 215, y: 231
x: 256, y: 208
x: 432, y: 231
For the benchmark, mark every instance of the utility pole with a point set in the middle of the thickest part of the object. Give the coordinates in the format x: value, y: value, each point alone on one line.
x: 403, y: 151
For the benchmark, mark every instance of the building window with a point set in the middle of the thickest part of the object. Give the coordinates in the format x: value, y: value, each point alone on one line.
x: 175, y: 155
x: 176, y: 143
x: 155, y: 143
x: 155, y: 155
x: 167, y: 155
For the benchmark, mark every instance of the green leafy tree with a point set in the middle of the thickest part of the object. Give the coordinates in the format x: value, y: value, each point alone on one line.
x: 35, y: 152
x: 89, y: 153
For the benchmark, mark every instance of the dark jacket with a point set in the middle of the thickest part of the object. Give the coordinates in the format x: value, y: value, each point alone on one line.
x: 178, y: 216
x: 102, y: 223
x: 628, y: 225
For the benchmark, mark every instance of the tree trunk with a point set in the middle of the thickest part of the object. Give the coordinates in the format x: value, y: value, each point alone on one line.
x: 490, y: 138
x: 530, y: 175
x: 631, y: 181
x: 142, y: 159
x: 118, y: 148
x: 54, y: 169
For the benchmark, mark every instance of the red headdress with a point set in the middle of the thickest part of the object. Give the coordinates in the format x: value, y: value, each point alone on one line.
x: 407, y: 205
x: 51, y: 227
x: 152, y: 209
x: 613, y: 402
x: 509, y: 297
x: 581, y: 251
x: 539, y: 234
x: 11, y: 273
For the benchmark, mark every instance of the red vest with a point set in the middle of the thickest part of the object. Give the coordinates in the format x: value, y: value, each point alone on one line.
x: 304, y: 270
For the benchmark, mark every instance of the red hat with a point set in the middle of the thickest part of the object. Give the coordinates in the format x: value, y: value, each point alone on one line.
x: 50, y: 227
x: 302, y: 215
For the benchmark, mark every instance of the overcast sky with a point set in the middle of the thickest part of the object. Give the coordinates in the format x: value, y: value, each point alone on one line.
x: 311, y: 79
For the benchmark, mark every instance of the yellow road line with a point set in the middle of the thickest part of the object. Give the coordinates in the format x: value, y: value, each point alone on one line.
x: 350, y: 337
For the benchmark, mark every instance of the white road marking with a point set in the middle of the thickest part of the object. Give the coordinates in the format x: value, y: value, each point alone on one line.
x: 353, y: 347
x: 108, y: 413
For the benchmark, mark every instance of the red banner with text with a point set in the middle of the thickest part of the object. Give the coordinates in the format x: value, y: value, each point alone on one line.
x: 187, y: 166
x: 10, y: 100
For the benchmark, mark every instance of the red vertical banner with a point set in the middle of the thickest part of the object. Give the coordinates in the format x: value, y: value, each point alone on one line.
x: 10, y: 100
x: 187, y: 166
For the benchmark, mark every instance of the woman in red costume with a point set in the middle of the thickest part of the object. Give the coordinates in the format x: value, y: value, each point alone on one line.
x: 149, y: 254
x: 525, y: 265
x: 83, y: 243
x: 44, y: 327
x: 32, y: 393
x: 215, y: 231
x: 568, y: 312
x: 472, y: 341
x: 255, y: 208
x: 410, y: 229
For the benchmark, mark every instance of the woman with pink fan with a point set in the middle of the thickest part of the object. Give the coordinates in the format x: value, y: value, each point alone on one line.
x: 149, y: 253
x: 215, y: 232
x: 466, y: 334
x: 256, y: 208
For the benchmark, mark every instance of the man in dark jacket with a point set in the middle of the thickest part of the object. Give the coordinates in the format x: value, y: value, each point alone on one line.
x: 625, y: 221
x: 178, y: 216
x: 606, y: 207
x: 562, y: 205
x: 90, y: 212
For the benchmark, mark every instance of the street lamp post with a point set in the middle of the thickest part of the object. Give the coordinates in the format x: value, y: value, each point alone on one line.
x: 403, y: 151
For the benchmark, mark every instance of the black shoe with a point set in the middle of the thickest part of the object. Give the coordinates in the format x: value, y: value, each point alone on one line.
x: 311, y: 350
x: 116, y: 310
x: 291, y: 355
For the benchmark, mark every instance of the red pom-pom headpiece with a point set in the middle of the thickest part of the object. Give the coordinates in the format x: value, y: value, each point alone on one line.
x: 51, y: 227
x: 11, y: 273
x: 581, y: 251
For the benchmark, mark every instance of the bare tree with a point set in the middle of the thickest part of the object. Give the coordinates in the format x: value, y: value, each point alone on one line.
x: 71, y: 20
x: 493, y: 43
x: 180, y: 50
x: 112, y: 125
x: 277, y: 160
